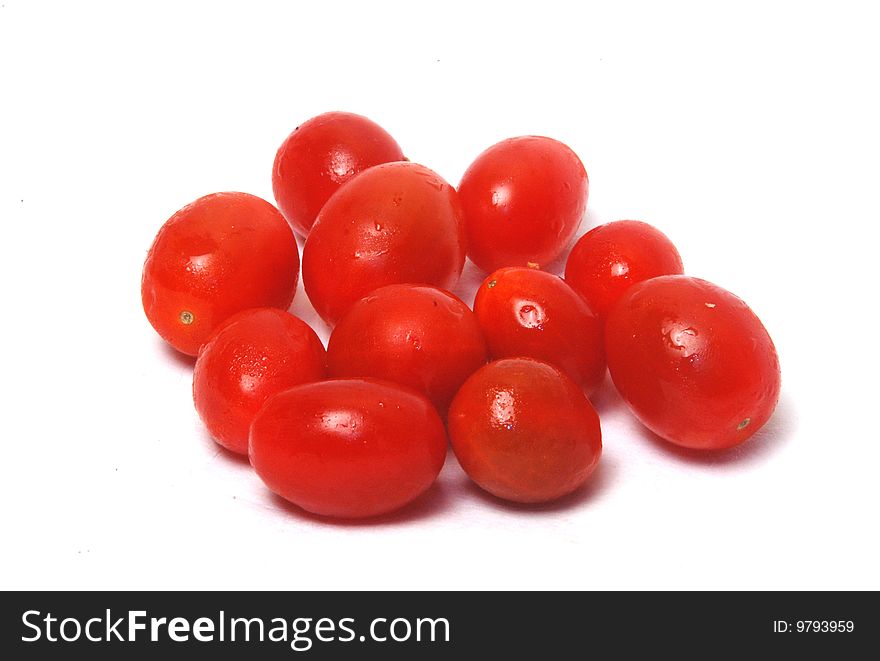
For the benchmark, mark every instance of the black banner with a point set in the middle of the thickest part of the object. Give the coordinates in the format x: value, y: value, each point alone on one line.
x: 333, y: 625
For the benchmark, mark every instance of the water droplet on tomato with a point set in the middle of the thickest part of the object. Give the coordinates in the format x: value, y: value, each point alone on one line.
x: 531, y: 316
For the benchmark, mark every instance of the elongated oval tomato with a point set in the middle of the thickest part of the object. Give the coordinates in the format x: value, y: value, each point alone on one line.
x: 611, y: 258
x: 348, y: 447
x: 393, y: 223
x: 253, y: 355
x: 526, y: 312
x: 693, y: 362
x: 221, y: 254
x: 523, y: 202
x: 524, y: 431
x: 321, y: 155
x: 416, y: 335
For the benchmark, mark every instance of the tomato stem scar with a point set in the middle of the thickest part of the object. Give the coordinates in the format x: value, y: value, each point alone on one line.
x: 186, y: 317
x: 744, y: 424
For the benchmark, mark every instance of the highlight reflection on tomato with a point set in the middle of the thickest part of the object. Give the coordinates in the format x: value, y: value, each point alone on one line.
x: 526, y: 312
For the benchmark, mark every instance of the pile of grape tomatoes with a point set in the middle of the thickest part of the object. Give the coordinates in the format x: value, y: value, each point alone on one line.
x: 362, y: 427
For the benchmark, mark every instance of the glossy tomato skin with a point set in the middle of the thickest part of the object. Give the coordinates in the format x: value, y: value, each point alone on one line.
x: 524, y: 431
x: 321, y: 155
x: 526, y: 312
x: 523, y: 201
x: 221, y: 254
x: 348, y: 448
x: 693, y: 362
x: 393, y: 223
x: 609, y: 259
x: 417, y: 335
x: 253, y: 355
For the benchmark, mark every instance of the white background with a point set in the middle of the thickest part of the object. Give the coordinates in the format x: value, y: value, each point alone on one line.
x: 748, y: 132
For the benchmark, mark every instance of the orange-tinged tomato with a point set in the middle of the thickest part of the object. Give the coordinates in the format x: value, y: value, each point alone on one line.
x: 524, y: 431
